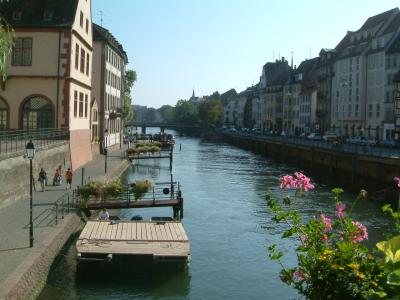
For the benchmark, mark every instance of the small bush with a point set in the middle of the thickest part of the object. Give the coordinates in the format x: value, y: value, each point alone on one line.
x: 139, y: 188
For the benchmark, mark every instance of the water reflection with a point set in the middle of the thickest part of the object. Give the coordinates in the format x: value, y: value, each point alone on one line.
x: 228, y: 224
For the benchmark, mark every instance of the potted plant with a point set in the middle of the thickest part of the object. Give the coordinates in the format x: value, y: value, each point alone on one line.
x: 140, y: 187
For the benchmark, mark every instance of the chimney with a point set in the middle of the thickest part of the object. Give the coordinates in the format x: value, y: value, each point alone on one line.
x: 283, y: 58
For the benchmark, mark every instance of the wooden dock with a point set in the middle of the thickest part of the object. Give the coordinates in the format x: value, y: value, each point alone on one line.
x: 101, y: 240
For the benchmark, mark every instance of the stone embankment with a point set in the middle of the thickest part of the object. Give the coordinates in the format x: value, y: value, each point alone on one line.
x: 25, y: 269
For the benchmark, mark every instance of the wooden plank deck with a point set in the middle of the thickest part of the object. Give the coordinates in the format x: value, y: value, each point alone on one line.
x: 160, y: 239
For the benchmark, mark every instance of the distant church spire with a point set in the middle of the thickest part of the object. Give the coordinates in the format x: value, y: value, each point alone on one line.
x: 193, y: 93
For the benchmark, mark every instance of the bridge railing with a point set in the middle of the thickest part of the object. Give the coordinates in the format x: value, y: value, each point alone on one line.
x: 12, y: 141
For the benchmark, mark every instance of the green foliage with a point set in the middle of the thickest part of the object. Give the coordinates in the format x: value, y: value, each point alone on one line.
x: 211, y: 111
x: 332, y: 261
x: 129, y: 81
x: 185, y: 113
x: 139, y: 188
x: 6, y: 43
x: 99, y: 188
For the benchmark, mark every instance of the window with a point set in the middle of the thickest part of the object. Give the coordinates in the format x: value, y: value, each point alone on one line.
x: 22, y: 52
x: 356, y: 110
x: 80, y: 105
x: 3, y: 115
x: 82, y: 60
x: 81, y: 20
x: 87, y: 64
x: 378, y: 110
x: 16, y: 15
x: 36, y: 113
x: 76, y: 56
x: 48, y: 15
x: 370, y: 110
x: 86, y: 105
x: 75, y: 104
x: 87, y: 26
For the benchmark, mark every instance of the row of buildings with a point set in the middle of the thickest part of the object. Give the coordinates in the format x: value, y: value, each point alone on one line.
x: 349, y: 89
x: 64, y: 72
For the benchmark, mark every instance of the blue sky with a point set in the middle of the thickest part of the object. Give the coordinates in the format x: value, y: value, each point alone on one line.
x: 209, y: 45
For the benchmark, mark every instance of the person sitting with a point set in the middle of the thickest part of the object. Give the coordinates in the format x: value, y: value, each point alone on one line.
x: 57, y: 180
x: 104, y: 215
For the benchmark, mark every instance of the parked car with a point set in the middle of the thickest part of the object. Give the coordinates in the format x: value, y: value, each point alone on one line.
x: 315, y: 136
x: 389, y: 143
x: 369, y: 141
x: 355, y: 140
x: 330, y: 137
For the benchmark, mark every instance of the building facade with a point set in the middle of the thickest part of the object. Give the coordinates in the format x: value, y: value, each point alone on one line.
x: 50, y: 68
x: 109, y: 61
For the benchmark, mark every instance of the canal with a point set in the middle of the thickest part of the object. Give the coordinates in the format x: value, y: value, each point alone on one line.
x: 228, y: 224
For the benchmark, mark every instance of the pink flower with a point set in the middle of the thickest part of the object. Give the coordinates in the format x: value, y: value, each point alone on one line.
x: 361, y: 232
x: 327, y: 221
x: 303, y: 238
x: 325, y: 238
x: 298, y: 275
x: 287, y: 182
x: 303, y: 182
x: 340, y: 207
x: 398, y: 181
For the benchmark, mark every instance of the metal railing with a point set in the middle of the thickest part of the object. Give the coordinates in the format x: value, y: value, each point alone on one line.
x: 55, y: 211
x: 12, y: 141
x: 159, y: 191
x: 344, y: 147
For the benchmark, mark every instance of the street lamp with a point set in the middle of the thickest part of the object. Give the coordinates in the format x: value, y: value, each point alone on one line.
x: 30, y: 153
x: 105, y: 150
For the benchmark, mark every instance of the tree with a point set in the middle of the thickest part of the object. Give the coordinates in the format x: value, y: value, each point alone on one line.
x: 6, y: 44
x: 185, y: 113
x: 211, y: 111
x: 129, y: 80
x: 167, y: 113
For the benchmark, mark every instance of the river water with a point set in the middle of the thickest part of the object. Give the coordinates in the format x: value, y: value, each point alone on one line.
x: 228, y: 224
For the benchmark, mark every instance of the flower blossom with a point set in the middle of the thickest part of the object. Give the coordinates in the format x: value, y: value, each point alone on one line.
x: 298, y: 275
x: 287, y: 182
x: 361, y: 232
x: 327, y: 221
x: 300, y: 181
x: 398, y: 181
x: 339, y: 210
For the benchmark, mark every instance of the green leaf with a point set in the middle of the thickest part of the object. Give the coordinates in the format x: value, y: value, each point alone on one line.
x: 337, y: 191
x: 377, y: 295
x: 391, y: 248
x: 387, y: 208
x: 394, y: 278
x: 289, y: 233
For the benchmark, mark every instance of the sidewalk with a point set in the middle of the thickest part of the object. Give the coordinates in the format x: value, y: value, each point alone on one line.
x: 14, y: 219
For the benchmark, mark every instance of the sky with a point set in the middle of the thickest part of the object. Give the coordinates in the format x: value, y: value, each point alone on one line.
x: 176, y: 46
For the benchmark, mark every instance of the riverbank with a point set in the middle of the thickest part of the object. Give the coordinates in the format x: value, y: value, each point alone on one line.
x: 24, y: 269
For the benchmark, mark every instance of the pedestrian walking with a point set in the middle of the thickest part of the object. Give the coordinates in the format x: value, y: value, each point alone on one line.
x: 68, y: 178
x: 42, y: 179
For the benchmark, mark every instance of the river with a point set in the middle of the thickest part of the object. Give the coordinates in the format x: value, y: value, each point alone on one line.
x: 228, y: 224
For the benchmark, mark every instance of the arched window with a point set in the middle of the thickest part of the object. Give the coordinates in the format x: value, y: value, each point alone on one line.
x: 3, y: 115
x: 36, y: 113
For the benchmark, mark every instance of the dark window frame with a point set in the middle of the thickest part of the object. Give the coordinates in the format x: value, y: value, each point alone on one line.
x: 21, y: 50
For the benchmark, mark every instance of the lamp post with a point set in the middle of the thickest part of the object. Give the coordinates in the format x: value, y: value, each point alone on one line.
x: 105, y: 150
x: 30, y: 153
x: 129, y: 138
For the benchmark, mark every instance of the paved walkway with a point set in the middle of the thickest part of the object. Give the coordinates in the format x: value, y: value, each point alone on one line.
x: 14, y: 219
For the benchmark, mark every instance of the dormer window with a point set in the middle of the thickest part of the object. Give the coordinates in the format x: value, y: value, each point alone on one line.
x: 16, y: 15
x: 48, y: 15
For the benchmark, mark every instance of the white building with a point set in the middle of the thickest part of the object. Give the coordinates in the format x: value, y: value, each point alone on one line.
x: 109, y: 60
